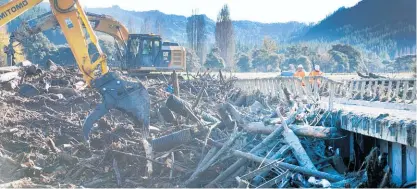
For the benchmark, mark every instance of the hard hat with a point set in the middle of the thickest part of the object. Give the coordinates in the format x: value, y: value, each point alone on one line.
x: 317, y: 67
x: 300, y: 66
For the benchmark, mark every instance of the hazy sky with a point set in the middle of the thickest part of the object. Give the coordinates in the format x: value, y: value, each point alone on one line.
x: 256, y: 10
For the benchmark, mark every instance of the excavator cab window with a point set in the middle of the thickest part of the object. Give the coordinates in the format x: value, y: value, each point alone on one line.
x: 148, y: 54
x: 147, y: 46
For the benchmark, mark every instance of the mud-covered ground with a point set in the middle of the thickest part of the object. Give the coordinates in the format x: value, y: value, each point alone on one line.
x: 41, y: 144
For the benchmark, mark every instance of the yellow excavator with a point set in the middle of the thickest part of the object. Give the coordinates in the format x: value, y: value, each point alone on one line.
x: 135, y: 52
x: 129, y: 97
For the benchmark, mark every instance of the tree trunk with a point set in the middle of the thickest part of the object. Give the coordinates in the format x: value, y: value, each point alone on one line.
x: 300, y: 130
x: 181, y: 107
x: 300, y: 169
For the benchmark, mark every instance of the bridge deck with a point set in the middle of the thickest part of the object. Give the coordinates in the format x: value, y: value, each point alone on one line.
x: 394, y: 125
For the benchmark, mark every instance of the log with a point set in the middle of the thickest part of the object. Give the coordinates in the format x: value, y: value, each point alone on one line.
x: 22, y: 183
x: 215, y: 157
x: 294, y: 168
x: 279, y: 154
x: 51, y: 145
x: 242, y: 161
x: 11, y: 85
x: 167, y: 115
x: 117, y: 173
x: 200, y: 94
x: 300, y: 130
x: 297, y: 149
x: 175, y: 84
x: 9, y: 69
x: 148, y: 151
x: 176, y: 167
x: 181, y: 107
x: 209, y: 118
x: 225, y: 117
x: 9, y: 76
x: 234, y: 113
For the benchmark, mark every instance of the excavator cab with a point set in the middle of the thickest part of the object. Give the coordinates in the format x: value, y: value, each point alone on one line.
x: 147, y: 52
x: 143, y: 50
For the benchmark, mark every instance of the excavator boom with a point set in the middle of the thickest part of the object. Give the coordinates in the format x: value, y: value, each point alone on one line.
x: 13, y: 9
x: 129, y: 97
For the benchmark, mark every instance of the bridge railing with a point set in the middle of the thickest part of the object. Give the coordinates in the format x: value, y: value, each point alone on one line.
x: 382, y: 90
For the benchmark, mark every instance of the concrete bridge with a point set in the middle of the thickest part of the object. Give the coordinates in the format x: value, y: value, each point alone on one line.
x: 375, y: 112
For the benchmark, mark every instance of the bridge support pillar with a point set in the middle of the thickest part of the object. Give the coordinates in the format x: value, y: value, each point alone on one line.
x: 395, y: 155
x: 410, y: 163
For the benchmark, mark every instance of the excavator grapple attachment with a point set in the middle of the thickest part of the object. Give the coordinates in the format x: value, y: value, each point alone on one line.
x: 129, y: 97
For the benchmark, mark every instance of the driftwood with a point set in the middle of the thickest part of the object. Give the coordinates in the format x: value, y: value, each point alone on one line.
x: 8, y: 76
x: 234, y: 113
x: 279, y: 154
x: 300, y: 169
x: 148, y: 152
x: 176, y: 167
x: 117, y: 173
x: 297, y: 149
x: 225, y: 117
x: 9, y: 69
x: 181, y: 107
x: 200, y: 94
x: 175, y: 84
x: 22, y: 183
x: 167, y: 115
x: 385, y: 179
x: 370, y: 75
x: 210, y: 160
x: 242, y: 161
x: 209, y: 118
x: 299, y: 130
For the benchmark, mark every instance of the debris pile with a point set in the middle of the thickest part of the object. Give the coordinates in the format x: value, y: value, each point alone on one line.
x: 209, y: 134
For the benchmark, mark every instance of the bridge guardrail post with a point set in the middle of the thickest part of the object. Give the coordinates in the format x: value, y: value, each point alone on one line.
x: 405, y: 91
x: 413, y: 93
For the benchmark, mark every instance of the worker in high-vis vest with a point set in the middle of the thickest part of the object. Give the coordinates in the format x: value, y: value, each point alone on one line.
x: 316, y: 72
x: 300, y: 73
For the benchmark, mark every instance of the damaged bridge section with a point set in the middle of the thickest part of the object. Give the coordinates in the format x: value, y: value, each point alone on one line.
x: 372, y: 112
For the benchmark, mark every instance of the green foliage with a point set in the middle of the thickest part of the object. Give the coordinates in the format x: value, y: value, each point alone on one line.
x: 405, y: 63
x: 39, y: 49
x: 269, y: 44
x: 341, y: 59
x: 244, y: 63
x: 214, y: 60
x: 266, y: 62
x: 340, y: 52
x: 375, y: 25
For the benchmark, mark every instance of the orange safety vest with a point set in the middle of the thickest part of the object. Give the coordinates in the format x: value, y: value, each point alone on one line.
x: 315, y: 73
x: 300, y: 74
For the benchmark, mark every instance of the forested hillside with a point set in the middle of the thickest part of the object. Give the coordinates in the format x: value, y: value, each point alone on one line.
x: 172, y: 27
x: 377, y: 34
x: 378, y: 25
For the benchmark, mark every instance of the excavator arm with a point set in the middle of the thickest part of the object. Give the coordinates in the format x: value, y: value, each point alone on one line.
x: 101, y: 23
x: 129, y: 97
x: 11, y: 10
x: 71, y: 18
